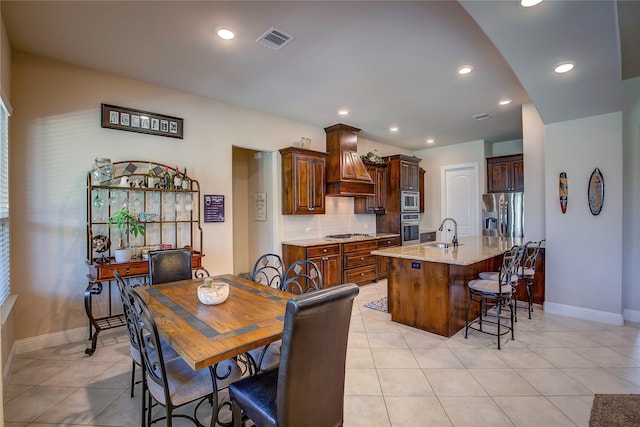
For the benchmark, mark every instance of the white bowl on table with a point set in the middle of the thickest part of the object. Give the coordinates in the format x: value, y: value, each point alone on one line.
x: 212, y: 292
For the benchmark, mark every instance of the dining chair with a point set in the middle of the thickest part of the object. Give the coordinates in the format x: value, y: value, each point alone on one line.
x: 307, y: 387
x: 302, y: 276
x: 136, y: 356
x: 495, y: 293
x: 268, y: 270
x: 173, y: 383
x: 169, y: 265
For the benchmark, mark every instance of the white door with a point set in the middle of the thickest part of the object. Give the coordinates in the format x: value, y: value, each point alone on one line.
x: 460, y: 199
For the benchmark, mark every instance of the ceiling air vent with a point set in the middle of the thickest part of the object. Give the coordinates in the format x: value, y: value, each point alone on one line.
x: 275, y: 39
x: 481, y: 116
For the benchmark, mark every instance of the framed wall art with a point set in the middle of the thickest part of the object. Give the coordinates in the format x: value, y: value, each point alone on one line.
x: 122, y: 118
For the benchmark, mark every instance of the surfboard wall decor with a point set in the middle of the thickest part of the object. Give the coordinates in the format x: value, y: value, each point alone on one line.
x: 564, y: 191
x: 596, y: 192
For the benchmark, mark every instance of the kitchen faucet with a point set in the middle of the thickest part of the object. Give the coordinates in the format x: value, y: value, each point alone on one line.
x: 454, y: 241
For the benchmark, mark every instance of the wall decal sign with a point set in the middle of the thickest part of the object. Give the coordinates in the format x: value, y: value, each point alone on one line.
x: 213, y: 208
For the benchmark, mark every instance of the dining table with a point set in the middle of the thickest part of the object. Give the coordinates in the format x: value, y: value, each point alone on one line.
x: 203, y: 335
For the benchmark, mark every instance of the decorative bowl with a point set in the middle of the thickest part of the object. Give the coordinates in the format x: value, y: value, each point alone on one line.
x: 213, y: 293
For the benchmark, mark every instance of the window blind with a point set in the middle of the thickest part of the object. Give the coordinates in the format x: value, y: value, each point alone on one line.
x: 5, y: 283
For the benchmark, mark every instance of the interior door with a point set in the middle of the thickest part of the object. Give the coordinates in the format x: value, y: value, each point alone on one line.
x: 460, y: 199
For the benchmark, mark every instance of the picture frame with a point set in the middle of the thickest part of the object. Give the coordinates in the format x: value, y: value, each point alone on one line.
x: 132, y: 120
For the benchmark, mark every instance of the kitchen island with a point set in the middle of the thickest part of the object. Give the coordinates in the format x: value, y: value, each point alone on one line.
x: 427, y: 286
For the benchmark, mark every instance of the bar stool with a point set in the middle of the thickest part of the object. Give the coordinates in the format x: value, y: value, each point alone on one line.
x: 528, y: 270
x: 497, y: 293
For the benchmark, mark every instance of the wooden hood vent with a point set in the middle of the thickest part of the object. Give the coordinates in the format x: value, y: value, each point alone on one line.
x: 346, y: 173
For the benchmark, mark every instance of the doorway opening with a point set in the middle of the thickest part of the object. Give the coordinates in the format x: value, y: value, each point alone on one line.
x: 254, y: 201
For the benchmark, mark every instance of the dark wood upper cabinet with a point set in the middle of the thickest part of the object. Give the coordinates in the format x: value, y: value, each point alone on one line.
x: 409, y: 175
x: 421, y: 187
x: 303, y: 181
x: 377, y: 203
x: 505, y: 174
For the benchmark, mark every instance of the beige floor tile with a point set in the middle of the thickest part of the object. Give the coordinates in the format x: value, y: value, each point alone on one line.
x: 572, y: 339
x: 122, y: 412
x: 81, y: 406
x: 478, y: 358
x: 577, y: 408
x: 365, y: 411
x: 358, y: 340
x: 436, y: 358
x: 361, y: 382
x: 628, y: 374
x: 35, y: 372
x: 609, y: 338
x: 630, y: 352
x: 78, y: 374
x: 601, y: 381
x: 536, y: 339
x: 564, y: 358
x: 394, y: 358
x: 420, y: 339
x: 532, y: 411
x: 606, y: 358
x: 521, y: 358
x: 468, y: 411
x: 360, y: 358
x: 404, y: 382
x: 380, y: 325
x: 503, y: 382
x: 418, y: 411
x: 453, y: 382
x: 386, y: 340
x: 553, y: 382
x: 34, y: 402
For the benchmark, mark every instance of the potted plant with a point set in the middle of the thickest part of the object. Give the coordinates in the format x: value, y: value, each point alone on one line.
x: 127, y: 224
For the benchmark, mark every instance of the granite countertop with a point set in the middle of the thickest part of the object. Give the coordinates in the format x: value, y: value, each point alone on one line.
x: 471, y: 250
x: 324, y: 241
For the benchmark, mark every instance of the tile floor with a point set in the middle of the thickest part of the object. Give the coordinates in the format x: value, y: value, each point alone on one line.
x: 396, y: 375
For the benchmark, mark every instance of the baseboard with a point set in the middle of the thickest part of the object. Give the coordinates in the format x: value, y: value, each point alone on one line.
x: 50, y: 340
x: 631, y: 315
x: 8, y: 367
x: 584, y: 313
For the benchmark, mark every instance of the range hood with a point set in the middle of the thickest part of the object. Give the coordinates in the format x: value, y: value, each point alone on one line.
x: 346, y: 173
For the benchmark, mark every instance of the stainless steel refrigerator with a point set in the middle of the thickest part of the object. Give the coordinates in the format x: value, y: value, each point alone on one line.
x: 503, y: 214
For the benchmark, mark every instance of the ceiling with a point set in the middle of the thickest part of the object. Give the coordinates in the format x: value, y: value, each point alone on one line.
x: 390, y: 63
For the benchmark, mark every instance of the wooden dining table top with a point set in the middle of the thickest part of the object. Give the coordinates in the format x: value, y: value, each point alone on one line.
x: 252, y: 316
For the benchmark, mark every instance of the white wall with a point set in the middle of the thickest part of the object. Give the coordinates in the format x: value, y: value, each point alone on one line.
x: 534, y: 173
x: 504, y: 148
x: 584, y: 252
x: 56, y: 135
x: 433, y: 159
x: 631, y: 192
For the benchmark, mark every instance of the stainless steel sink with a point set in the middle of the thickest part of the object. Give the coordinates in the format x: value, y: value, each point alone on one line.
x: 440, y: 245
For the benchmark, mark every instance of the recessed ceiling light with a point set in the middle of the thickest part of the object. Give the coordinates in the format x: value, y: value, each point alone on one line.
x: 393, y: 129
x: 505, y: 102
x: 225, y: 34
x: 564, y: 67
x: 343, y: 112
x: 529, y: 3
x: 465, y: 69
x: 430, y: 140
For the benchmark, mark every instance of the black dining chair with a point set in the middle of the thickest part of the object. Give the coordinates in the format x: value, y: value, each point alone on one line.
x: 302, y: 276
x: 268, y: 270
x: 169, y: 265
x: 136, y: 357
x: 171, y: 382
x: 307, y: 387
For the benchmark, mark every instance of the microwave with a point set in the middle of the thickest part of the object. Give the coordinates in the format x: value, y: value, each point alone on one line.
x: 409, y: 201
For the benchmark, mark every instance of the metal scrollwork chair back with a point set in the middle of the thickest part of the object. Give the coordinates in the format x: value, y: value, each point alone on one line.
x: 302, y: 276
x: 268, y: 270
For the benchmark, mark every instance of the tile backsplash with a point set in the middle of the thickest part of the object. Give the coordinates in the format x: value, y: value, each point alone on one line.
x: 339, y: 218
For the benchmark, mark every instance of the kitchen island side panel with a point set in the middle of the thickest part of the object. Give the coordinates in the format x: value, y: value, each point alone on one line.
x: 433, y: 296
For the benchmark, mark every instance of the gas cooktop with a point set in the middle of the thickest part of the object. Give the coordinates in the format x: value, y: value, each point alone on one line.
x: 347, y: 236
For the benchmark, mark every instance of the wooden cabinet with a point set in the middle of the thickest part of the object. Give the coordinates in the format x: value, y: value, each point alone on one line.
x: 421, y: 189
x: 303, y: 181
x: 383, y: 261
x: 359, y: 265
x: 505, y: 174
x: 326, y: 257
x: 409, y: 175
x: 171, y: 219
x: 375, y: 204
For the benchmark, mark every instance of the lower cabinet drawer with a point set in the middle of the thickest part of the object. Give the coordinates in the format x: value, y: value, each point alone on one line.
x: 361, y: 275
x: 357, y: 260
